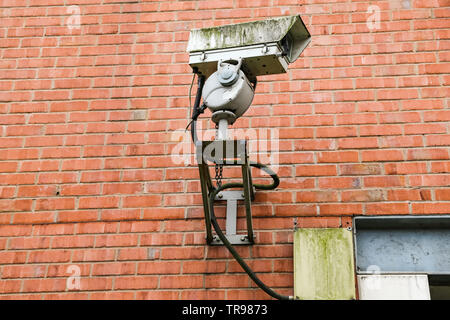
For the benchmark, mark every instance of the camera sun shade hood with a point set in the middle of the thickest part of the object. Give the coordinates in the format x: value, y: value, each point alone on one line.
x: 266, y: 46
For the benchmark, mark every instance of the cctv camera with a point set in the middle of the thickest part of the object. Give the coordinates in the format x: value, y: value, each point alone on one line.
x: 265, y: 47
x: 230, y: 58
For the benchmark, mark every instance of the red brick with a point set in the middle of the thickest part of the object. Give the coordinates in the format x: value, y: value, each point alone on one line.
x: 44, y: 285
x: 405, y: 168
x: 317, y: 196
x: 73, y: 242
x: 431, y: 154
x: 360, y: 169
x: 94, y: 255
x: 437, y: 116
x: 55, y: 204
x: 338, y: 156
x: 97, y: 227
x: 295, y: 210
x: 431, y: 208
x: 381, y: 155
x: 45, y: 165
x: 77, y: 216
x: 226, y: 281
x: 121, y: 268
x: 439, y: 167
x: 100, y: 176
x: 438, y: 140
x: 339, y: 209
x: 430, y: 180
x: 442, y: 194
x: 36, y: 191
x: 49, y: 256
x: 34, y: 218
x: 142, y: 282
x: 387, y: 208
x: 15, y: 205
x: 362, y: 195
x: 181, y: 282
x: 156, y: 239
x: 315, y: 170
x: 434, y: 92
x: 380, y: 130
x: 384, y: 181
x: 23, y: 271
x: 404, y: 195
x: 142, y: 201
x: 356, y: 119
x: 333, y: 132
x: 400, y: 141
x: 424, y: 128
x: 98, y: 202
x: 408, y: 117
x: 53, y: 229
x: 182, y: 253
x: 173, y: 200
x: 13, y: 257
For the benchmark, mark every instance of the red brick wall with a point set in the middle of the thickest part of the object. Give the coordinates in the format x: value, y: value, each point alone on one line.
x: 87, y: 182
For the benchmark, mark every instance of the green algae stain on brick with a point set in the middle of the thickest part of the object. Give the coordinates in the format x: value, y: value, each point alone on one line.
x: 323, y: 264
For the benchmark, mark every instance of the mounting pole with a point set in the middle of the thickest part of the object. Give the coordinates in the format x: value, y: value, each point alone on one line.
x: 222, y: 129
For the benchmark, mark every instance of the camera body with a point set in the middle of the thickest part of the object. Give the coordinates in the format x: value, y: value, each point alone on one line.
x: 265, y: 47
x: 228, y: 93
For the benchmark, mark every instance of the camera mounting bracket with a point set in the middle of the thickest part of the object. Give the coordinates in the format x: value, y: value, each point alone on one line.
x: 227, y: 153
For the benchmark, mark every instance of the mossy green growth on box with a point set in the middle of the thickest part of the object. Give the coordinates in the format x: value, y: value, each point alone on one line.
x: 323, y: 264
x: 240, y: 34
x: 272, y: 30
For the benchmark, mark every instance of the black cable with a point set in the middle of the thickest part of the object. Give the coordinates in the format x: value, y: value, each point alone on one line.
x: 224, y: 239
x: 197, y: 110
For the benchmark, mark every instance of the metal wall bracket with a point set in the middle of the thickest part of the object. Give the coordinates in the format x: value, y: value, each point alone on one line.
x: 228, y: 153
x: 231, y: 198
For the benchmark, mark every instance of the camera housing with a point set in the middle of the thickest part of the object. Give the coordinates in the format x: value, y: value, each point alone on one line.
x: 265, y: 47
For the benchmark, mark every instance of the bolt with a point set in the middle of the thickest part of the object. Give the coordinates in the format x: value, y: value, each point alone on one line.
x: 243, y: 238
x: 349, y: 228
x: 220, y: 196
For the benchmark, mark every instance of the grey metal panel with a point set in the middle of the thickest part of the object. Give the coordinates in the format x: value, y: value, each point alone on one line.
x: 403, y: 222
x: 324, y: 266
x: 248, y: 33
x: 260, y: 59
x: 403, y: 244
x: 393, y: 287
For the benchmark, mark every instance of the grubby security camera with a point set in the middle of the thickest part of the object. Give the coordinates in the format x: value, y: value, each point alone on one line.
x: 230, y: 58
x: 266, y: 47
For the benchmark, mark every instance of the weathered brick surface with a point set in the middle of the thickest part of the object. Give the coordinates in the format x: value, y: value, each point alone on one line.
x: 88, y: 116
